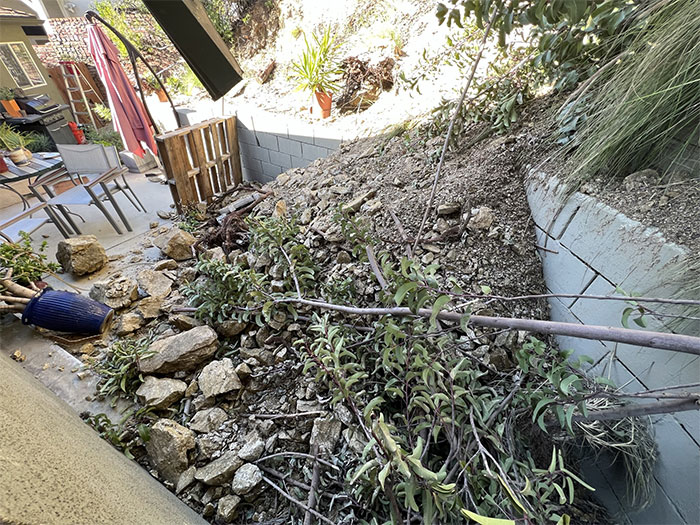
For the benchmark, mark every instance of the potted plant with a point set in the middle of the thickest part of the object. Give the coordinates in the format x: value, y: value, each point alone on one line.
x: 153, y: 86
x: 316, y: 68
x: 7, y: 99
x: 15, y: 143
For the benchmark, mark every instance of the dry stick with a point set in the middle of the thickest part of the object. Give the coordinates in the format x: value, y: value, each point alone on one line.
x: 445, y: 145
x: 296, y: 501
x: 658, y: 340
x: 16, y: 289
x: 662, y: 407
x: 375, y: 267
x: 286, y: 416
x: 299, y: 455
x: 311, y: 502
x: 13, y: 299
x: 402, y: 232
x: 11, y: 308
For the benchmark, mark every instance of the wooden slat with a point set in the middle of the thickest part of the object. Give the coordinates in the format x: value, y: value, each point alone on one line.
x: 223, y: 155
x: 174, y: 154
x: 199, y: 158
x: 216, y: 144
x: 211, y: 158
x: 235, y: 160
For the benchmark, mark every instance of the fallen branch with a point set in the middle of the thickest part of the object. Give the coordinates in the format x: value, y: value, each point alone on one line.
x: 375, y: 267
x: 296, y: 501
x: 299, y: 455
x: 661, y: 407
x: 286, y: 416
x: 311, y: 502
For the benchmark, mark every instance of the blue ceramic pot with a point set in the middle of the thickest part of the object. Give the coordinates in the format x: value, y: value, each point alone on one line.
x: 67, y: 312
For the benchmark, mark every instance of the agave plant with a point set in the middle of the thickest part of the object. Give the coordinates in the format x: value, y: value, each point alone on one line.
x: 318, y: 65
x: 13, y: 140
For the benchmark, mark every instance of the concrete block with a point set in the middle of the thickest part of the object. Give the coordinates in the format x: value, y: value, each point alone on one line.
x: 594, y: 311
x: 254, y: 175
x: 245, y: 135
x: 661, y: 512
x: 331, y: 143
x: 281, y: 159
x: 299, y: 162
x: 289, y: 146
x: 259, y: 153
x: 267, y: 140
x: 659, y: 368
x: 249, y: 163
x: 311, y: 152
x: 271, y: 170
x: 545, y: 195
x: 267, y: 122
x: 563, y: 272
x: 605, y: 493
x: 300, y: 131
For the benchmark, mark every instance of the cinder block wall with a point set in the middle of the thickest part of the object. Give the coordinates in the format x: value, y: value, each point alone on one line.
x: 271, y: 144
x: 595, y: 248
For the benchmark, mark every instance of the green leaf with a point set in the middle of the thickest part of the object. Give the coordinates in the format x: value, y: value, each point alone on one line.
x: 486, y: 290
x: 560, y: 491
x: 437, y: 307
x: 364, y: 468
x: 403, y: 290
x: 383, y: 474
x: 541, y: 404
x: 569, y: 416
x: 565, y: 385
x: 625, y: 316
x: 511, y: 494
x: 564, y: 520
x: 483, y: 520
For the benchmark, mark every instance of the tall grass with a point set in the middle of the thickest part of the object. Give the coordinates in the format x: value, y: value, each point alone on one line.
x: 648, y: 100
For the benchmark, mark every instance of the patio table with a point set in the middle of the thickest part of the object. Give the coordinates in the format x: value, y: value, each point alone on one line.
x: 39, y: 164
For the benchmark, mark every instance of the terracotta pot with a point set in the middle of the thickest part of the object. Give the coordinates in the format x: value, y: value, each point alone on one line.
x: 3, y: 165
x: 18, y: 157
x: 162, y: 97
x: 27, y: 153
x: 11, y: 108
x: 324, y: 102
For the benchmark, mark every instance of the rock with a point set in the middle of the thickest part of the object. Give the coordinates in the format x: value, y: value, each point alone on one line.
x: 153, y: 225
x: 640, y: 179
x: 343, y: 257
x: 243, y: 371
x: 87, y: 349
x: 252, y: 450
x: 246, y: 479
x: 218, y: 377
x: 185, y: 479
x: 81, y: 255
x: 118, y: 292
x: 176, y: 244
x: 482, y: 219
x: 228, y: 508
x: 231, y: 328
x: 164, y: 214
x: 168, y: 448
x: 449, y: 208
x: 208, y: 420
x: 220, y: 470
x: 165, y: 264
x: 264, y: 357
x: 215, y: 254
x: 149, y: 307
x: 357, y: 202
x: 306, y: 216
x: 160, y: 393
x: 184, y: 322
x: 325, y: 434
x: 155, y: 284
x: 180, y: 352
x: 129, y: 322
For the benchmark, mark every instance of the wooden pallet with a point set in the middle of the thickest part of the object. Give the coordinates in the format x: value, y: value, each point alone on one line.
x: 201, y: 160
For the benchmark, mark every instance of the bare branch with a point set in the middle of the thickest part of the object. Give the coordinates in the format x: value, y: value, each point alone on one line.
x: 661, y: 407
x: 296, y: 501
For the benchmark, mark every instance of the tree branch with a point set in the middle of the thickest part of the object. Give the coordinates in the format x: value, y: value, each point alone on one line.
x: 662, y: 407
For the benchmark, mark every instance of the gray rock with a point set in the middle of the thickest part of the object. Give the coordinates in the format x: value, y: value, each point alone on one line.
x: 306, y: 216
x: 185, y: 479
x: 325, y: 434
x: 640, y: 179
x: 208, y: 419
x: 165, y: 264
x: 218, y: 377
x: 449, y: 208
x: 149, y: 307
x: 215, y: 254
x: 116, y: 293
x: 208, y: 445
x: 168, y: 448
x: 357, y: 202
x: 482, y: 219
x: 180, y: 352
x: 220, y: 470
x: 129, y: 322
x: 184, y: 322
x: 81, y: 255
x: 252, y: 450
x: 246, y: 479
x: 227, y: 508
x: 155, y: 284
x: 231, y: 328
x: 160, y: 393
x: 243, y: 371
x: 176, y: 244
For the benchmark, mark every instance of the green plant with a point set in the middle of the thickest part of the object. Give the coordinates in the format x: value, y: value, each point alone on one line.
x: 647, y: 100
x: 297, y: 32
x: 183, y: 81
x: 119, y: 367
x: 11, y: 139
x: 114, y: 13
x: 27, y: 265
x: 192, y: 218
x: 106, y: 136
x: 39, y: 142
x: 119, y: 436
x: 103, y: 112
x: 317, y: 66
x: 6, y: 93
x: 222, y: 13
x: 151, y: 83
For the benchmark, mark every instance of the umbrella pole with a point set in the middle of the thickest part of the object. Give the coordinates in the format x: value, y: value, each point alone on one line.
x: 133, y: 55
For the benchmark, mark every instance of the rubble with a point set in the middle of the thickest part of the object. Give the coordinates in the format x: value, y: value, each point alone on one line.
x: 176, y: 244
x: 218, y: 377
x: 183, y: 351
x: 208, y: 419
x: 81, y: 255
x: 325, y: 434
x: 247, y: 478
x: 220, y: 470
x: 160, y: 392
x: 168, y: 446
x: 227, y: 508
x: 116, y: 292
x: 154, y: 283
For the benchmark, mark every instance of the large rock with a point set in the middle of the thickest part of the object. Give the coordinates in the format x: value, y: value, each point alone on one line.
x: 149, y: 307
x: 220, y: 470
x: 325, y: 434
x: 208, y: 419
x: 231, y: 328
x: 81, y: 255
x: 155, y: 284
x: 115, y: 292
x: 179, y: 352
x: 168, y: 448
x: 246, y: 479
x: 176, y: 244
x: 218, y: 377
x: 227, y: 509
x: 160, y: 393
x: 252, y: 450
x: 482, y: 219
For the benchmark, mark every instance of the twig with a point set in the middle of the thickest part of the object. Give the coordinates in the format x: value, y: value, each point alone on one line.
x: 546, y: 249
x: 402, y: 232
x: 13, y: 299
x: 375, y: 267
x: 445, y: 145
x: 291, y: 270
x: 311, y: 502
x: 296, y: 501
x: 299, y: 455
x: 504, y: 403
x: 662, y: 407
x: 286, y: 416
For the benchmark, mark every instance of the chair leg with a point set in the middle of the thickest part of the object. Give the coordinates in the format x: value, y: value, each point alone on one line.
x: 66, y: 215
x: 119, y: 211
x: 57, y: 222
x: 126, y: 194
x: 104, y: 211
x: 128, y: 186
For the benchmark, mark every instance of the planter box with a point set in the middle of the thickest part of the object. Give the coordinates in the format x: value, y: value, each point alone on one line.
x: 137, y: 164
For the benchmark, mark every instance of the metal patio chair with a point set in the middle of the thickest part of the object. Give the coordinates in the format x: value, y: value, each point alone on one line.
x: 24, y: 222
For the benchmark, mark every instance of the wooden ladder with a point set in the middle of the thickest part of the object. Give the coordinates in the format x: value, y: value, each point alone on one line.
x: 76, y: 83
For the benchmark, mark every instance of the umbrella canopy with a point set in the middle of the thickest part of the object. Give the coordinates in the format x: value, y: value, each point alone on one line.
x: 128, y: 114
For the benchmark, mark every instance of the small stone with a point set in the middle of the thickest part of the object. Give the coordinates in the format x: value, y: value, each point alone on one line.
x: 357, y: 202
x: 164, y: 214
x: 325, y: 434
x: 449, y: 208
x: 168, y: 447
x: 129, y: 322
x: 663, y: 201
x: 218, y: 377
x: 215, y: 254
x: 165, y: 264
x: 155, y: 284
x: 306, y: 216
x: 263, y: 357
x: 243, y: 371
x: 482, y: 219
x: 282, y: 179
x: 372, y: 206
x: 208, y: 420
x: 180, y: 352
x: 343, y: 257
x: 231, y: 328
x: 252, y: 450
x: 118, y: 292
x: 280, y: 209
x: 427, y: 258
x: 160, y: 393
x: 153, y: 225
x: 149, y: 307
x: 185, y: 479
x: 184, y: 322
x: 228, y: 507
x: 176, y: 244
x: 87, y: 349
x: 640, y: 179
x: 220, y: 470
x: 246, y: 479
x: 81, y: 255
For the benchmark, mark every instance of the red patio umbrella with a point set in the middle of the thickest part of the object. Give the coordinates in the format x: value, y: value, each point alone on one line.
x: 128, y: 114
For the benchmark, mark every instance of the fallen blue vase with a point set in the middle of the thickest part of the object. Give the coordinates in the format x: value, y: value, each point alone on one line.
x: 67, y: 312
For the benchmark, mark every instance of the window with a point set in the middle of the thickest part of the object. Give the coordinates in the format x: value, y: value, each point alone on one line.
x: 20, y: 64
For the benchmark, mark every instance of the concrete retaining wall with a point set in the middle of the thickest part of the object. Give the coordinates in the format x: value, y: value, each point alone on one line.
x: 594, y: 249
